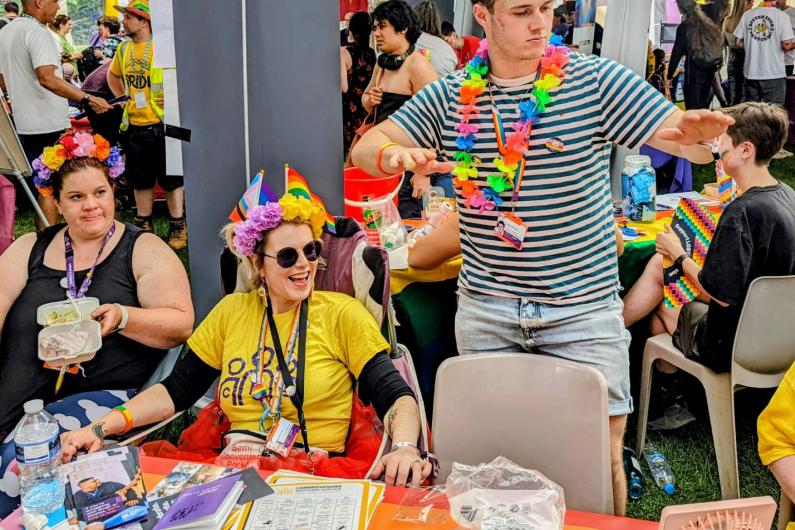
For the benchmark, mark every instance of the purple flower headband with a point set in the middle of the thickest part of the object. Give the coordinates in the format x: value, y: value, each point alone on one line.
x: 260, y: 219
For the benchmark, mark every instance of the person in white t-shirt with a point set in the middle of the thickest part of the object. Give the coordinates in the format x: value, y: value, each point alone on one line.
x: 766, y: 34
x: 789, y: 60
x: 442, y: 57
x: 31, y: 75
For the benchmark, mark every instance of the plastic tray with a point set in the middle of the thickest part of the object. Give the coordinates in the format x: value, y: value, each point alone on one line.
x: 93, y: 344
x: 63, y: 312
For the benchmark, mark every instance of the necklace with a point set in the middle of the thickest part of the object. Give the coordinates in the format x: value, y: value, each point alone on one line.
x: 39, y: 22
x: 513, y: 147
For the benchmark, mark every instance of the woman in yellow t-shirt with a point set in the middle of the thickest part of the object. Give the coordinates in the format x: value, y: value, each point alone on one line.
x: 776, y: 427
x: 285, y: 355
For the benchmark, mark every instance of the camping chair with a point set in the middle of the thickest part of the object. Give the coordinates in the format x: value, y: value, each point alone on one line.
x: 747, y: 514
x: 136, y: 436
x: 541, y: 412
x: 764, y: 349
x: 352, y: 267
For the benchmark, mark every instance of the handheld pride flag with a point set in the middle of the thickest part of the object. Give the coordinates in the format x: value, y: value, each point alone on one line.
x: 727, y: 189
x: 295, y: 184
x: 695, y: 225
x: 258, y: 193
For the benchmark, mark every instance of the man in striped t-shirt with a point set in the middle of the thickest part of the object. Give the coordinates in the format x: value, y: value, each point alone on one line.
x: 558, y: 293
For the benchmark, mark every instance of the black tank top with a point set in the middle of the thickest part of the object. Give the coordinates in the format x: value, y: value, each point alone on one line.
x: 121, y: 363
x: 390, y: 102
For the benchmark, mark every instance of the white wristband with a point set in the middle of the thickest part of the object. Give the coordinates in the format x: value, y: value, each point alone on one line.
x: 124, y: 317
x: 400, y: 445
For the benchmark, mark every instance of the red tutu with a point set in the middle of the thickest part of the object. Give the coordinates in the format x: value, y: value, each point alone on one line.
x: 201, y: 443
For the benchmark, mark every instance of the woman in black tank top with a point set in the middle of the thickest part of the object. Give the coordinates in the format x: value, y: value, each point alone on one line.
x: 141, y: 285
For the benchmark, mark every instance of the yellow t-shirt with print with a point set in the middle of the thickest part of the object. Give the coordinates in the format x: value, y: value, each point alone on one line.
x: 341, y: 338
x: 136, y: 71
x: 776, y: 424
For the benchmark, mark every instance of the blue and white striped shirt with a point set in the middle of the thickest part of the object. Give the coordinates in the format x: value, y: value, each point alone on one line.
x: 569, y: 253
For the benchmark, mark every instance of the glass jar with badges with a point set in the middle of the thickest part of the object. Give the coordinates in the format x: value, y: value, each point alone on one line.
x: 639, y: 189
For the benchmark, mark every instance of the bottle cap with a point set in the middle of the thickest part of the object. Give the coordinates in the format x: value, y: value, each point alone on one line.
x: 34, y: 406
x: 669, y: 488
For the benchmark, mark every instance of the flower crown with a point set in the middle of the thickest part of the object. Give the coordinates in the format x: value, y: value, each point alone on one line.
x: 289, y: 209
x: 75, y: 145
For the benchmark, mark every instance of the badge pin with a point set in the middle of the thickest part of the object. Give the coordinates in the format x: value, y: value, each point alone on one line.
x: 555, y: 145
x: 64, y: 283
x: 289, y: 391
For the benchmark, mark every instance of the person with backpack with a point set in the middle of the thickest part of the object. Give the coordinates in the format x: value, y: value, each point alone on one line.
x: 699, y: 39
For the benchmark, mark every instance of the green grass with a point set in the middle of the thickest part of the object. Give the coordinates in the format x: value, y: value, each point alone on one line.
x: 783, y: 169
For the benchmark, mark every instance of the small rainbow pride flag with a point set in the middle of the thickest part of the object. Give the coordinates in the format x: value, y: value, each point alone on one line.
x: 695, y: 226
x: 257, y: 194
x: 727, y: 189
x: 295, y: 184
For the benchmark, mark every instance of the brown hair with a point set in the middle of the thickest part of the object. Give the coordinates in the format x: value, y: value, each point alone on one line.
x: 764, y: 125
x: 488, y: 4
x: 429, y: 19
x: 739, y: 7
x: 72, y: 165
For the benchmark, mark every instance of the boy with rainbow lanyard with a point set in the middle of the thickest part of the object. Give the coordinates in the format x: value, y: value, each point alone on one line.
x: 530, y: 128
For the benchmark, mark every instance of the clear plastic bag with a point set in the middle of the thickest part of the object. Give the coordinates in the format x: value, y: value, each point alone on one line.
x: 423, y: 506
x: 502, y: 495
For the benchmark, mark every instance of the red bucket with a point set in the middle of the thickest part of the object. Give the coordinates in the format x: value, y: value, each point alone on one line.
x: 361, y: 186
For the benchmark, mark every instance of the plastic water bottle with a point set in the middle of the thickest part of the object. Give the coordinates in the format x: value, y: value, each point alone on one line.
x: 434, y: 221
x: 38, y: 449
x: 634, y: 474
x: 660, y: 469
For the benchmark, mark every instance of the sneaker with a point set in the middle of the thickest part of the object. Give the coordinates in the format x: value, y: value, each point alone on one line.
x: 145, y: 224
x: 675, y: 416
x: 178, y: 235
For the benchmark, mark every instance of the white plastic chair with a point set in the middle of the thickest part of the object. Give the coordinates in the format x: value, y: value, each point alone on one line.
x: 764, y: 349
x: 739, y: 514
x: 543, y: 413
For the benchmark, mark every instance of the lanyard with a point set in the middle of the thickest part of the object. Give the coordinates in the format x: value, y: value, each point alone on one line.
x: 71, y: 285
x: 297, y: 395
x: 131, y: 56
x: 499, y: 130
x: 276, y: 389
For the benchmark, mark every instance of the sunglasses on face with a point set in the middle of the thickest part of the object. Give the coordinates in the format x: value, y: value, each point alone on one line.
x: 288, y: 256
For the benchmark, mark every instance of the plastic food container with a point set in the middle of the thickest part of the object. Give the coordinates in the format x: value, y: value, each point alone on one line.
x: 64, y: 312
x: 92, y: 345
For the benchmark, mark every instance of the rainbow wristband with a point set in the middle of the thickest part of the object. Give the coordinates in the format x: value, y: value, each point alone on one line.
x: 380, y: 155
x: 128, y: 419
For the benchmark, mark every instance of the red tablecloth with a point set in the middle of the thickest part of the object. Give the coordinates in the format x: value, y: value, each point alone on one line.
x: 154, y: 469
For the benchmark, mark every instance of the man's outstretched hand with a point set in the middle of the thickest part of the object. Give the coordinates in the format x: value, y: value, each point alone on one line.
x: 697, y: 126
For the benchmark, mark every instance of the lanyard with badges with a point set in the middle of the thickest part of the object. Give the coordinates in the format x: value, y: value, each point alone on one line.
x: 509, y: 228
x: 139, y: 96
x: 283, y: 432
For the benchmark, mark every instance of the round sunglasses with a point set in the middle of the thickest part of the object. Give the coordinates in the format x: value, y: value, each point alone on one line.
x: 288, y: 256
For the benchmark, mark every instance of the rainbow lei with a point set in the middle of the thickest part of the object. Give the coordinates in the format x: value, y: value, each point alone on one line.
x: 517, y: 143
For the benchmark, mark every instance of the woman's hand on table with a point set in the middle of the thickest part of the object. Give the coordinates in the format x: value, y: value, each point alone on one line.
x: 668, y: 244
x: 399, y: 464
x: 87, y: 439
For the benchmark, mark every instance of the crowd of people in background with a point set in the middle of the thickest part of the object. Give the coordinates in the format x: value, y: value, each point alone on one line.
x: 43, y: 74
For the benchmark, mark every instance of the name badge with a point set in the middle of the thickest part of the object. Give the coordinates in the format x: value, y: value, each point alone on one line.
x: 282, y: 436
x: 510, y: 229
x: 140, y: 100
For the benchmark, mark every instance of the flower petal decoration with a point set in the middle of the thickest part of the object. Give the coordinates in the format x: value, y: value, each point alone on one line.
x: 491, y: 194
x: 467, y: 187
x: 465, y: 172
x: 499, y: 183
x: 543, y: 98
x: 466, y: 128
x: 465, y: 143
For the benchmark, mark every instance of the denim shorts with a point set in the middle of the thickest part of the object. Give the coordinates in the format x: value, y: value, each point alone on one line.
x: 591, y: 333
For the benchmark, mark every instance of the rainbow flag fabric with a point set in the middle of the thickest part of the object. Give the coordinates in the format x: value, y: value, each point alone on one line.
x: 296, y: 185
x: 695, y: 226
x: 258, y: 193
x: 727, y: 189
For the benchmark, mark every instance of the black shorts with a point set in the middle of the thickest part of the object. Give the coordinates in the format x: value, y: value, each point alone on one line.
x: 33, y: 145
x: 691, y: 319
x: 144, y: 148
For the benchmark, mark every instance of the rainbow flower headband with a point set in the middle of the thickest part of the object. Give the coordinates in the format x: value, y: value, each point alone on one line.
x: 71, y: 146
x: 287, y: 209
x: 516, y: 145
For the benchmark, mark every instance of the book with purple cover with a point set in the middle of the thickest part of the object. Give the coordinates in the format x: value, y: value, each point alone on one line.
x: 203, y: 506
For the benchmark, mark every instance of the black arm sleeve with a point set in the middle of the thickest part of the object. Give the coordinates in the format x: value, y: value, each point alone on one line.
x: 189, y: 380
x: 381, y: 384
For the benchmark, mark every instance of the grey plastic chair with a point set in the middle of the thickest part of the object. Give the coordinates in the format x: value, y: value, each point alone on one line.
x: 764, y: 349
x: 543, y: 413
